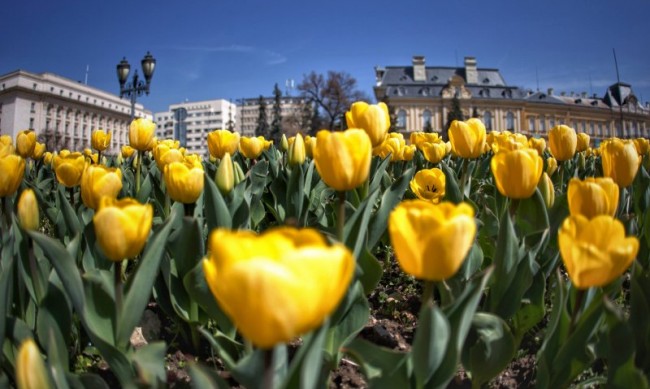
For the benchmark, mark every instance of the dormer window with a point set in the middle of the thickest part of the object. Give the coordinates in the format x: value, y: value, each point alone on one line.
x: 486, y: 80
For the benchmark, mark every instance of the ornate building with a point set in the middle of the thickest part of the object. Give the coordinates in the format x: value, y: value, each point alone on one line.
x: 61, y: 111
x: 418, y: 95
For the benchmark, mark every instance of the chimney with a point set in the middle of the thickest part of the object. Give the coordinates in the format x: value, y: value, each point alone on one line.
x: 379, y: 74
x: 471, y: 74
x: 419, y: 71
x: 572, y: 94
x: 549, y: 92
x: 583, y: 95
x: 562, y: 93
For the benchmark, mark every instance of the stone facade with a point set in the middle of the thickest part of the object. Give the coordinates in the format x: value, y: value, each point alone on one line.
x: 62, y: 112
x: 418, y: 94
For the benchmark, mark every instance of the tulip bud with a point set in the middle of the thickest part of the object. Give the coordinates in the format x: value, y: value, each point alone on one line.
x: 239, y: 173
x: 28, y: 211
x: 297, y: 151
x: 551, y: 165
x: 119, y: 159
x: 30, y: 369
x: 225, y: 177
x: 547, y: 190
x: 284, y: 143
x: 12, y: 170
x: 25, y: 143
x: 582, y: 162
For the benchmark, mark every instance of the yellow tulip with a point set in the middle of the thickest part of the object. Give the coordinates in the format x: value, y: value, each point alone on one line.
x: 221, y: 142
x: 517, y: 173
x: 642, y: 146
x: 164, y: 155
x: 620, y: 161
x: 277, y: 285
x: 467, y: 138
x: 28, y: 211
x: 592, y: 197
x: 343, y: 158
x: 184, y: 181
x: 595, y: 251
x: 508, y: 141
x: 25, y: 142
x: 12, y: 170
x: 6, y: 140
x: 122, y: 227
x: 127, y: 151
x: 538, y: 144
x: 284, y: 143
x: 551, y: 165
x: 392, y: 145
x: 30, y: 368
x: 582, y: 143
x: 39, y: 151
x: 491, y: 138
x: 372, y: 118
x: 431, y: 241
x: 408, y: 152
x: 429, y: 184
x: 141, y: 134
x: 69, y: 167
x: 225, y: 175
x: 252, y: 147
x: 419, y: 138
x: 6, y: 149
x: 47, y: 158
x: 100, y: 140
x: 310, y: 144
x: 98, y: 181
x: 563, y: 142
x: 547, y: 190
x: 297, y: 151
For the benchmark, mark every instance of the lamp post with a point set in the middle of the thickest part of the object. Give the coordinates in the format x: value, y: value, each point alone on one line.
x: 136, y: 87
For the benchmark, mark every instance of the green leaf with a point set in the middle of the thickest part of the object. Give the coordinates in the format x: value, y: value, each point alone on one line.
x: 198, y: 290
x: 452, y: 190
x: 382, y: 367
x: 306, y: 370
x: 430, y: 343
x: 145, y: 190
x: 531, y: 215
x: 204, y: 377
x: 356, y: 226
x: 346, y: 322
x: 370, y: 271
x: 489, y: 347
x: 295, y: 193
x: 389, y: 200
x: 57, y: 359
x: 216, y: 210
x: 150, y: 361
x: 6, y: 288
x: 69, y: 215
x: 377, y: 169
x: 138, y: 288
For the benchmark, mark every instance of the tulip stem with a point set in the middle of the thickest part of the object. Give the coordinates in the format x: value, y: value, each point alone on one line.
x: 514, y: 205
x: 340, y: 216
x: 71, y: 192
x: 118, y: 289
x: 576, y: 308
x: 267, y: 382
x: 463, y: 178
x: 560, y: 167
x: 99, y: 157
x: 189, y: 209
x: 138, y: 161
x: 6, y: 215
x: 33, y: 267
x: 427, y: 293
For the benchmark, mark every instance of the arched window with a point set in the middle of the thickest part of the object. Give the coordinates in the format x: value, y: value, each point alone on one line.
x: 401, y: 118
x: 487, y: 120
x: 510, y: 121
x: 426, y: 119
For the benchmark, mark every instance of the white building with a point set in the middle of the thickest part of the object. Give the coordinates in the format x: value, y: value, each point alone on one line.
x: 190, y: 122
x: 63, y: 112
x: 295, y: 113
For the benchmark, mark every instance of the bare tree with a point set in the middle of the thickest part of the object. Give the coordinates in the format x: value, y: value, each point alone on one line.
x: 332, y: 95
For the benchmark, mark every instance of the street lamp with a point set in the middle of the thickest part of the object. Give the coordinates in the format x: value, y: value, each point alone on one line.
x: 136, y: 87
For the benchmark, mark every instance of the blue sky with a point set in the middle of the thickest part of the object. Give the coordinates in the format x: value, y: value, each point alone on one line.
x: 233, y: 49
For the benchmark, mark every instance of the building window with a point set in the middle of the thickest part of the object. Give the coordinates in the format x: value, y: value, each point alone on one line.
x: 531, y: 124
x: 551, y: 123
x: 487, y: 120
x: 31, y: 123
x: 426, y: 119
x: 510, y: 121
x: 401, y: 118
x: 33, y: 108
x: 591, y: 128
x: 542, y: 124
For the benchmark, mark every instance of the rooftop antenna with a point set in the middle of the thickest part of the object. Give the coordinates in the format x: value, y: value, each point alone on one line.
x: 537, y: 78
x: 591, y: 87
x: 86, y: 77
x: 289, y: 85
x: 620, y: 95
